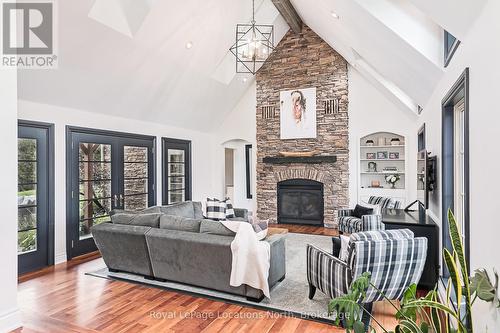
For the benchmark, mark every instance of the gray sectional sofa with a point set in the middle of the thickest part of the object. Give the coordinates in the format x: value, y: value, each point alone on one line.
x: 175, y: 243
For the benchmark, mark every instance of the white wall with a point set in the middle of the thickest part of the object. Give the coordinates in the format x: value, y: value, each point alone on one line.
x: 9, y: 314
x: 370, y: 111
x: 481, y: 53
x: 202, y: 144
x: 237, y: 130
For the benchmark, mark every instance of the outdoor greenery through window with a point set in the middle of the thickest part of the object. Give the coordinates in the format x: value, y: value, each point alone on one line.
x: 27, y: 195
x: 95, y: 185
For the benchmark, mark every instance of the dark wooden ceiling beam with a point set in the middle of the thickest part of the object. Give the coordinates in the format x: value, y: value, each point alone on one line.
x: 285, y: 8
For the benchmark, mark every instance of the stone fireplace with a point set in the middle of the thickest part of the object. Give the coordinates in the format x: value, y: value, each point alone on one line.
x: 303, y: 61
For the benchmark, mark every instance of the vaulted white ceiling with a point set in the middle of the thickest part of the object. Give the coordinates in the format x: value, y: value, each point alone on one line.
x: 129, y: 57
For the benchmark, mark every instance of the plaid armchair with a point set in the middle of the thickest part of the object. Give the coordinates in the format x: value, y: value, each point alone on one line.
x: 350, y: 224
x: 394, y: 258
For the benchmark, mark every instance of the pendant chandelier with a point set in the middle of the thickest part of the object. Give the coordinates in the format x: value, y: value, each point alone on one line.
x: 254, y: 43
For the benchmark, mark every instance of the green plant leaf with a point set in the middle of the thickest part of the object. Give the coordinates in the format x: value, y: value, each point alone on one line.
x: 456, y: 241
x: 424, y: 327
x: 422, y: 303
x: 409, y: 326
x: 348, y: 304
x: 454, y: 275
x: 410, y: 294
x: 458, y: 250
x: 359, y: 327
x: 436, y: 319
x: 481, y: 285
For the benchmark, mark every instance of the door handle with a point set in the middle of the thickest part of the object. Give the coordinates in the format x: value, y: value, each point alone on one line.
x: 121, y: 201
x: 115, y: 200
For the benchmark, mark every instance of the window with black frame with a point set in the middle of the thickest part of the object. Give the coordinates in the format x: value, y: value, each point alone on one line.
x: 176, y: 173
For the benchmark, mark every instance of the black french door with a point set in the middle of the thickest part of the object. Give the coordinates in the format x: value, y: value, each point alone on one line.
x: 106, y: 171
x: 35, y: 241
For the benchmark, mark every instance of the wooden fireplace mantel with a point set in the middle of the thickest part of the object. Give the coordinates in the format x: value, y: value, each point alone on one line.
x: 299, y: 159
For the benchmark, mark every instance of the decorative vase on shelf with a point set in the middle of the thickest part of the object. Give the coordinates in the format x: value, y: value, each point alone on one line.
x: 392, y: 180
x: 395, y: 142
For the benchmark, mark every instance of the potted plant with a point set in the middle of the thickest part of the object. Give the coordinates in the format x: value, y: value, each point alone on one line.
x: 392, y: 179
x: 428, y: 313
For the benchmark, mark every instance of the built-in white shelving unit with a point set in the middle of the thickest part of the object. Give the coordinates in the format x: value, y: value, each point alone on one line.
x: 382, y: 154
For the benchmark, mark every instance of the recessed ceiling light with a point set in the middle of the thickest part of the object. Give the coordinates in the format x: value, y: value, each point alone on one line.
x: 244, y: 79
x: 189, y: 45
x: 335, y: 15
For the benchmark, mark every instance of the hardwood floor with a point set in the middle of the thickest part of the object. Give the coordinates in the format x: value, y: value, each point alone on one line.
x: 63, y: 299
x: 307, y: 229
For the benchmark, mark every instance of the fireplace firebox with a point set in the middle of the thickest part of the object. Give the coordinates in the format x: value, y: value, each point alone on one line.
x: 300, y: 201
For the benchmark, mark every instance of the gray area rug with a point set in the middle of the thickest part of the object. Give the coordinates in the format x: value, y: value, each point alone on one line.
x: 289, y: 296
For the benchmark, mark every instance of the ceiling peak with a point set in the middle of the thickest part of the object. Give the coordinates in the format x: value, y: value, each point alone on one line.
x: 286, y: 9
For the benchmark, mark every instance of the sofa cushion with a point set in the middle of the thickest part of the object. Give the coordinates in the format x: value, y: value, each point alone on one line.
x: 238, y: 219
x: 377, y: 209
x: 198, y: 210
x: 149, y: 210
x: 214, y: 228
x: 123, y: 247
x: 184, y: 209
x: 179, y: 223
x: 360, y: 211
x: 146, y: 220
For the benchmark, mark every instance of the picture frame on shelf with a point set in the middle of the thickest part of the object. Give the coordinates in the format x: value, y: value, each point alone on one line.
x: 371, y: 156
x: 394, y: 156
x: 372, y: 167
x: 382, y: 155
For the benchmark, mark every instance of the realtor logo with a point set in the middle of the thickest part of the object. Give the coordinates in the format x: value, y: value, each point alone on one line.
x: 28, y: 34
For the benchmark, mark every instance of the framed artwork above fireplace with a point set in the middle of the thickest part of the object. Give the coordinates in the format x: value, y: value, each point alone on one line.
x: 298, y: 114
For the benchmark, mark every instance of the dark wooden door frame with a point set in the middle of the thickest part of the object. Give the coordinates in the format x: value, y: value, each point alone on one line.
x: 70, y: 131
x: 50, y: 184
x: 170, y: 143
x: 248, y: 169
x: 459, y: 89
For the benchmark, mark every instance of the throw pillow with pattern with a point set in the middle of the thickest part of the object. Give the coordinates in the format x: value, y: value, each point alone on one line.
x: 229, y: 209
x: 216, y: 210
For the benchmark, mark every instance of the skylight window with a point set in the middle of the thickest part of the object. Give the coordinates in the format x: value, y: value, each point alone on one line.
x: 450, y: 46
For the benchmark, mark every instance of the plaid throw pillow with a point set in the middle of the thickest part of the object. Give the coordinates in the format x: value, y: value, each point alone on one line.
x: 229, y: 208
x: 216, y: 210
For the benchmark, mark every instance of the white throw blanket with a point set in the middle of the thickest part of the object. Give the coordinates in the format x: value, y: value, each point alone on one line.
x: 251, y: 257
